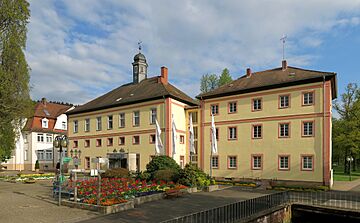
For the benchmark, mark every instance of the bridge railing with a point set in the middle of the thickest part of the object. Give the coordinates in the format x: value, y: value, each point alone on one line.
x: 234, y: 211
x: 333, y: 199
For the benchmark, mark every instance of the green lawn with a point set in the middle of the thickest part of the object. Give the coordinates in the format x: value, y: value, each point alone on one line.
x: 339, y: 174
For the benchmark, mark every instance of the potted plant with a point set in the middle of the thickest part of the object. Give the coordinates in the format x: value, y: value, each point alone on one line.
x: 37, y: 166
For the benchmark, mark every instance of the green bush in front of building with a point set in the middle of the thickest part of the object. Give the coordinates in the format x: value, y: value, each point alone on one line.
x: 162, y: 163
x: 116, y: 173
x: 192, y: 176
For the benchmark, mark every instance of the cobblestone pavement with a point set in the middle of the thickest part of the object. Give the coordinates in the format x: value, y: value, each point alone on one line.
x: 33, y: 203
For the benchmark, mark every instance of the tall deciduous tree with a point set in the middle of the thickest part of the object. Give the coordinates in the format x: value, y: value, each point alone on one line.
x: 208, y: 82
x: 14, y: 71
x: 346, y: 129
x: 225, y: 77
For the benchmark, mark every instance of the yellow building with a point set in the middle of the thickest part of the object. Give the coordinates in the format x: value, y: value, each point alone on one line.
x: 120, y: 125
x: 274, y: 124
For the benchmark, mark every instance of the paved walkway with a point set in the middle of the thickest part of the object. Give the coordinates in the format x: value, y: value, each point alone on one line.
x: 33, y: 203
x: 347, y: 185
x: 161, y: 210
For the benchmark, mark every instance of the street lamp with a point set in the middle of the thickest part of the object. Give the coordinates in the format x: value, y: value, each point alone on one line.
x: 60, y: 142
x: 350, y: 160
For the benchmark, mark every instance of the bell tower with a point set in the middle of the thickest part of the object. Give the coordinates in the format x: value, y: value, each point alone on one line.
x: 139, y: 67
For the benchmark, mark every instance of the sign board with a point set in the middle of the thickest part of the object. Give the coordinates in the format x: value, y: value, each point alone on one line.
x: 93, y: 172
x: 99, y: 160
x: 66, y: 159
x: 103, y: 160
x: 117, y: 155
x: 78, y: 170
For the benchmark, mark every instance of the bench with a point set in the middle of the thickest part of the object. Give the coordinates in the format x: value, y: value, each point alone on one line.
x: 174, y: 193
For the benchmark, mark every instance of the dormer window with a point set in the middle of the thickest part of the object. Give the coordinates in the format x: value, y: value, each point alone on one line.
x: 45, y: 123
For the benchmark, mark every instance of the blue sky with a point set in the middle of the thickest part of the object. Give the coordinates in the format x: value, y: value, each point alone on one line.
x: 78, y: 50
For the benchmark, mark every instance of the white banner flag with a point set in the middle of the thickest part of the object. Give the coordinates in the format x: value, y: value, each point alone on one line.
x: 191, y: 136
x: 158, y: 143
x: 174, y: 137
x: 213, y: 136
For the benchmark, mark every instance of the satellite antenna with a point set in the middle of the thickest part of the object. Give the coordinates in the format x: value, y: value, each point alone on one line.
x: 283, y: 40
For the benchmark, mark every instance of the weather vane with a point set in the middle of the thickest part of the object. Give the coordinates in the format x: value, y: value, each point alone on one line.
x: 283, y: 39
x: 139, y: 45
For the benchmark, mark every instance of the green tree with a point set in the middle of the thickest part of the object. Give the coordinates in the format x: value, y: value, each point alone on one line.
x: 225, y: 77
x: 208, y: 82
x: 346, y: 130
x: 14, y: 71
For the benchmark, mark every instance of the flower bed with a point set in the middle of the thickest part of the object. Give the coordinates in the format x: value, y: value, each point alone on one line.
x: 119, y: 190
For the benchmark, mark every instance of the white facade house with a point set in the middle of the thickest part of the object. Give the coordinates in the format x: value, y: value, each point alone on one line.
x: 35, y: 138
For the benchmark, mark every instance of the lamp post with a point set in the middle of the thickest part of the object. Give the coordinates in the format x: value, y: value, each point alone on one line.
x: 60, y: 142
x: 350, y: 160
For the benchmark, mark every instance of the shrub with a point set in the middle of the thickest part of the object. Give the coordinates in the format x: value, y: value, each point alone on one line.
x: 166, y: 175
x: 141, y: 175
x: 37, y: 165
x: 162, y: 163
x: 192, y: 176
x: 116, y: 173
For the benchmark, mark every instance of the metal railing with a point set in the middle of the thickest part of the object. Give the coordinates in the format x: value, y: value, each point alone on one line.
x: 331, y: 199
x: 235, y: 211
x: 244, y: 209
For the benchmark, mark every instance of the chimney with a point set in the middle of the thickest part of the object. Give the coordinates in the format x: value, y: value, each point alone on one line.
x: 248, y: 72
x: 284, y: 65
x: 164, y: 75
x: 43, y: 101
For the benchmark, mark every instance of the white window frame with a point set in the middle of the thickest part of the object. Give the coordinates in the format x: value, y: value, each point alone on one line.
x: 232, y: 133
x: 153, y: 115
x: 214, y: 108
x: 136, y: 118
x: 308, y: 98
x: 257, y: 104
x: 76, y: 126
x: 48, y: 155
x: 49, y: 138
x: 122, y: 120
x: 64, y: 125
x: 215, y: 162
x: 284, y: 130
x: 307, y: 161
x: 40, y: 137
x: 233, y: 107
x: 306, y: 129
x: 98, y: 123
x: 256, y: 133
x: 282, y: 164
x: 257, y: 162
x: 87, y: 125
x: 231, y: 163
x: 45, y: 123
x: 284, y: 101
x: 110, y: 122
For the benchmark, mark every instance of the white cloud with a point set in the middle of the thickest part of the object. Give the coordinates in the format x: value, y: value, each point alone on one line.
x: 84, y: 48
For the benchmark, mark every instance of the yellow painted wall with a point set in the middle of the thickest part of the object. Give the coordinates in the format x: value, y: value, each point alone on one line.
x: 145, y: 149
x: 178, y: 110
x: 270, y: 146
